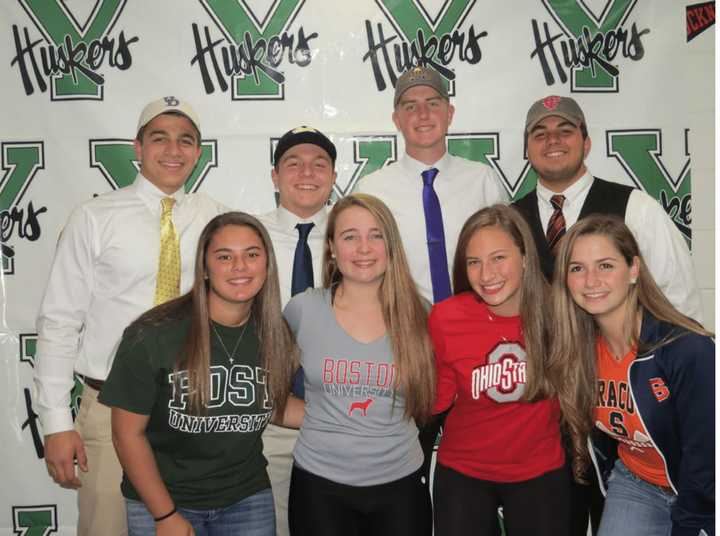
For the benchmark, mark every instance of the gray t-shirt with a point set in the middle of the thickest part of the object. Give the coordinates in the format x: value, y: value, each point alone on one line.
x: 353, y: 432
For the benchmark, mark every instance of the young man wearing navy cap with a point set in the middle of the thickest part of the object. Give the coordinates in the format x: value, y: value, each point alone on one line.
x: 303, y: 174
x: 109, y: 268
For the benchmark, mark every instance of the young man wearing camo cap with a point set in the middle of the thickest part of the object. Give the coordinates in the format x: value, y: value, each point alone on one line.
x: 429, y: 191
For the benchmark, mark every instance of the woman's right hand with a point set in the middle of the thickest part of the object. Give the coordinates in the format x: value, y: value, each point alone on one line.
x: 175, y: 525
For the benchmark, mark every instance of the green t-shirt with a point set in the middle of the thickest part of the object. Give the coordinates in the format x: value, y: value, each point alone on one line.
x: 206, y: 461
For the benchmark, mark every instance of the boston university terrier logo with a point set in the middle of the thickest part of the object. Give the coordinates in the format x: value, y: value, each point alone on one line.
x: 362, y: 406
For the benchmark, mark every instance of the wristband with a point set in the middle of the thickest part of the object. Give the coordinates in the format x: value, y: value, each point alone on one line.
x: 161, y: 518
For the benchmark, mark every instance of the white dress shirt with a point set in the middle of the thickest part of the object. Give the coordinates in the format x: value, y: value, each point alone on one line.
x: 462, y: 187
x: 280, y: 224
x: 661, y: 243
x: 103, y: 277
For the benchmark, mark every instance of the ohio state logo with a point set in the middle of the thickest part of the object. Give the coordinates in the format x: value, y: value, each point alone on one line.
x: 551, y: 102
x: 502, y: 378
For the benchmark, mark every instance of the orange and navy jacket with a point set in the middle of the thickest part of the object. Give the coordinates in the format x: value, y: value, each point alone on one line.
x: 673, y: 387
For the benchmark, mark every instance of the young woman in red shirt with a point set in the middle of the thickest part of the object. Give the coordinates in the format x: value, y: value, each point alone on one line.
x: 501, y: 442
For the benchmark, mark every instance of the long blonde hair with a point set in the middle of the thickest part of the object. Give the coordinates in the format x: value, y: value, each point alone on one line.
x: 403, y: 311
x: 533, y: 288
x: 572, y: 363
x: 278, y: 351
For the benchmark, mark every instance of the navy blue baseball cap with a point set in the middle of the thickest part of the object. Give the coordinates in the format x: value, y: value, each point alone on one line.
x: 304, y: 134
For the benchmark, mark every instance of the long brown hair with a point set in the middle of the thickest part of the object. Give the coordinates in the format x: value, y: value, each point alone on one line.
x: 534, y: 299
x: 278, y: 352
x: 403, y: 311
x: 572, y: 364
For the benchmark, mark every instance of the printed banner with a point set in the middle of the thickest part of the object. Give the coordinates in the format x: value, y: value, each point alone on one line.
x: 76, y: 75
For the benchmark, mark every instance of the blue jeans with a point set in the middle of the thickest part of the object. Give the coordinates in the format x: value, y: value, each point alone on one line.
x: 636, y: 507
x: 253, y: 516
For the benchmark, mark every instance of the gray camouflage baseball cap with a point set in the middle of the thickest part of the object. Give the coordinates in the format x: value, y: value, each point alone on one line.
x: 420, y: 76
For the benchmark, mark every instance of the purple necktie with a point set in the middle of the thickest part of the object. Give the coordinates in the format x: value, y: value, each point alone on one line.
x: 435, y: 238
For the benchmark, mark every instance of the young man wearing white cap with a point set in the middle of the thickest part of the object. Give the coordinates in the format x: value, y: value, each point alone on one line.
x: 303, y: 174
x: 557, y: 145
x: 118, y: 255
x: 429, y: 191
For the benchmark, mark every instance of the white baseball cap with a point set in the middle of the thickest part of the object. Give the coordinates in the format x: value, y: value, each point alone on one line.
x: 165, y: 105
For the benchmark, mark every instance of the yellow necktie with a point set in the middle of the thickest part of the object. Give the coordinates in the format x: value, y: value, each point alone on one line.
x: 168, y: 276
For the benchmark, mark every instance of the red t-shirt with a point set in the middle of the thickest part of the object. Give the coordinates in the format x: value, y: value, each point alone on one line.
x: 489, y: 434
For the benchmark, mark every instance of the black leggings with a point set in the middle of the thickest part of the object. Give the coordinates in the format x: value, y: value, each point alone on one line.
x: 587, y: 503
x: 466, y: 506
x: 321, y: 507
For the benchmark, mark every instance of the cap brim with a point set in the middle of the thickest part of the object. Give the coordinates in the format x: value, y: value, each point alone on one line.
x: 574, y: 120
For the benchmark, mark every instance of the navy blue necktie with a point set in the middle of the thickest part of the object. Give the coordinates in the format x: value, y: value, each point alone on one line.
x: 302, y: 278
x: 435, y: 238
x: 302, y: 274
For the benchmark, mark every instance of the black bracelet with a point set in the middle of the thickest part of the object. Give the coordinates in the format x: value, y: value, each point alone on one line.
x: 171, y: 512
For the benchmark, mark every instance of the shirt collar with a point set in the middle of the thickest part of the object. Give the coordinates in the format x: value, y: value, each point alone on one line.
x: 572, y: 193
x: 414, y: 167
x: 288, y: 220
x: 151, y: 195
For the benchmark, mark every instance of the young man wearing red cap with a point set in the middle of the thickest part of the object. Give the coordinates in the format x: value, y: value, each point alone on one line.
x: 118, y: 255
x: 303, y: 174
x: 557, y: 145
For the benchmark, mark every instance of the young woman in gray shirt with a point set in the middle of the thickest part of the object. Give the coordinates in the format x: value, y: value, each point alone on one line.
x: 369, y: 377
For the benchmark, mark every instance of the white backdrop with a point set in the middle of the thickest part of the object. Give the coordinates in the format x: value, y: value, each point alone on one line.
x: 647, y: 93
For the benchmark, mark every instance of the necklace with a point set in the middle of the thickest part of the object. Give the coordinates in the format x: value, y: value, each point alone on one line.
x: 231, y: 357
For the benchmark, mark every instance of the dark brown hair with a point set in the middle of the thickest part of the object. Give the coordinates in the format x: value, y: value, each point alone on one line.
x: 278, y: 352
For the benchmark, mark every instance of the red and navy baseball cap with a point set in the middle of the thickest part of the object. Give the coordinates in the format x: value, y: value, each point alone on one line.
x: 564, y: 107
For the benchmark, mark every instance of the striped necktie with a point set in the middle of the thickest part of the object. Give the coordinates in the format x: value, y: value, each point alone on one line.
x: 556, y: 225
x: 168, y: 275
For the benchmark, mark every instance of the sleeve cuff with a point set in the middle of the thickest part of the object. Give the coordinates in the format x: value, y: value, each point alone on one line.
x: 56, y: 421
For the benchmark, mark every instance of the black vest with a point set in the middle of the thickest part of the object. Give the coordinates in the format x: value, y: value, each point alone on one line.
x: 604, y: 197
